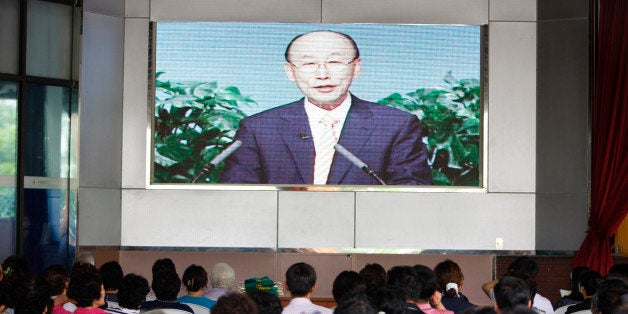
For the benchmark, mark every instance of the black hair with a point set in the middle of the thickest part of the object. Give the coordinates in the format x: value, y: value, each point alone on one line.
x: 7, y: 294
x: 590, y: 281
x: 267, y: 303
x: 511, y: 291
x: 163, y: 265
x: 575, y: 281
x: 166, y: 286
x: 111, y: 273
x: 427, y: 283
x: 609, y: 295
x: 133, y: 291
x: 525, y: 265
x: 347, y: 283
x: 14, y: 268
x: 374, y: 276
x: 619, y: 269
x: 404, y: 277
x: 390, y: 300
x: 33, y: 296
x: 79, y: 268
x: 355, y: 304
x: 234, y: 303
x: 57, y: 278
x: 194, y: 278
x: 85, y: 288
x: 353, y: 44
x: 300, y: 279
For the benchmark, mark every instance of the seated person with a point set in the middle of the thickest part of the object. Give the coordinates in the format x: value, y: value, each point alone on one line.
x: 374, y: 276
x: 267, y: 303
x: 429, y: 299
x: 390, y: 300
x: 511, y: 292
x: 346, y: 284
x: 574, y: 296
x: 166, y: 285
x: 57, y: 279
x: 608, y: 299
x: 451, y: 281
x: 357, y: 303
x: 587, y: 286
x: 222, y: 280
x: 301, y: 282
x: 111, y: 273
x: 235, y: 303
x: 404, y: 278
x: 87, y: 292
x: 131, y: 294
x: 195, y: 282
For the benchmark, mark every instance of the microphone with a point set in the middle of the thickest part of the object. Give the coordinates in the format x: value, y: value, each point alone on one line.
x: 218, y: 159
x: 358, y: 163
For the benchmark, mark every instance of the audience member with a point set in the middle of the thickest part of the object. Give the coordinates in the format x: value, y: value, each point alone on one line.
x: 267, y: 303
x: 111, y: 273
x: 374, y: 276
x: 87, y: 292
x: 222, y: 280
x: 86, y: 257
x: 588, y: 285
x: 511, y: 291
x: 166, y: 286
x: 33, y: 296
x: 15, y: 268
x: 356, y: 303
x: 78, y: 269
x: 390, y: 300
x: 131, y: 295
x: 235, y: 303
x: 195, y: 282
x: 57, y: 278
x: 451, y: 281
x: 430, y: 297
x: 574, y: 296
x: 347, y: 283
x: 609, y: 295
x: 7, y: 298
x: 301, y: 282
x: 404, y: 278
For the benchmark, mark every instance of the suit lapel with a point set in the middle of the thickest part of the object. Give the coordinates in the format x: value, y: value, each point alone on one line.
x: 356, y: 132
x: 294, y: 127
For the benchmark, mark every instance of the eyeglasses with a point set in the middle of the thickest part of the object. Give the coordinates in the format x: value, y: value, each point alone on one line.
x: 330, y: 65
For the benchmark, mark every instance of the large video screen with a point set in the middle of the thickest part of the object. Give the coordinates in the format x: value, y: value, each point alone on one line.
x: 317, y: 104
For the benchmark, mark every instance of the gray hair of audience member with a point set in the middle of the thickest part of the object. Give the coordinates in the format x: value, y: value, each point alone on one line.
x: 222, y: 276
x: 87, y: 258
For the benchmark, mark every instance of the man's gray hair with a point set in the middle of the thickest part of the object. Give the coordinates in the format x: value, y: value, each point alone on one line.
x: 222, y: 276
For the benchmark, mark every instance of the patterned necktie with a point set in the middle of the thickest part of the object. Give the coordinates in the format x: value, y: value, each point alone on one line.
x: 325, y: 150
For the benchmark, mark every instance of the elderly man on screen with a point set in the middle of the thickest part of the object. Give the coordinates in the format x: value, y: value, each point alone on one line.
x: 294, y: 143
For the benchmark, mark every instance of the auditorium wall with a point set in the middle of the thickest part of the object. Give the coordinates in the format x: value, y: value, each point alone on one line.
x: 536, y: 137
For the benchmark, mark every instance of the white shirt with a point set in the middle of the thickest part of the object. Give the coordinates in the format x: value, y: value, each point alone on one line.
x: 315, y: 115
x: 304, y: 306
x: 542, y: 305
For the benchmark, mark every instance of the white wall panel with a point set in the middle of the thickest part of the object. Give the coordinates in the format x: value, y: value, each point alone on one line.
x: 472, y: 12
x: 99, y: 217
x: 303, y: 11
x: 445, y: 221
x: 513, y: 10
x: 316, y: 219
x: 136, y: 115
x: 198, y: 218
x: 101, y: 101
x: 512, y: 107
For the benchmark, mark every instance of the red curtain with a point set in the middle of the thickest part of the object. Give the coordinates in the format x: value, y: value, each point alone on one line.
x: 609, y: 143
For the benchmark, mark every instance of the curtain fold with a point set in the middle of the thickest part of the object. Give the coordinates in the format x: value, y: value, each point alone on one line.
x: 609, y: 137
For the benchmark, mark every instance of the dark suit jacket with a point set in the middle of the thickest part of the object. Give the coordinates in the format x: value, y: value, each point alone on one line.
x: 277, y: 147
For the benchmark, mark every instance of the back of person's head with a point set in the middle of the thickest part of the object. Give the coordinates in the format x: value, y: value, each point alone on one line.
x: 450, y: 277
x: 80, y: 268
x: 194, y: 278
x: 404, y: 277
x: 390, y: 300
x: 574, y: 276
x: 426, y: 281
x: 267, y: 303
x: 164, y: 265
x: 32, y: 296
x: 111, y: 273
x: 609, y: 295
x: 511, y: 291
x: 133, y: 291
x: 85, y: 288
x: 222, y: 276
x: 7, y: 295
x: 619, y: 269
x: 590, y: 281
x: 57, y: 278
x: 235, y: 303
x: 300, y: 279
x: 358, y: 303
x: 14, y: 268
x: 166, y: 286
x: 374, y: 276
x: 524, y: 265
x: 86, y: 257
x: 347, y: 283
